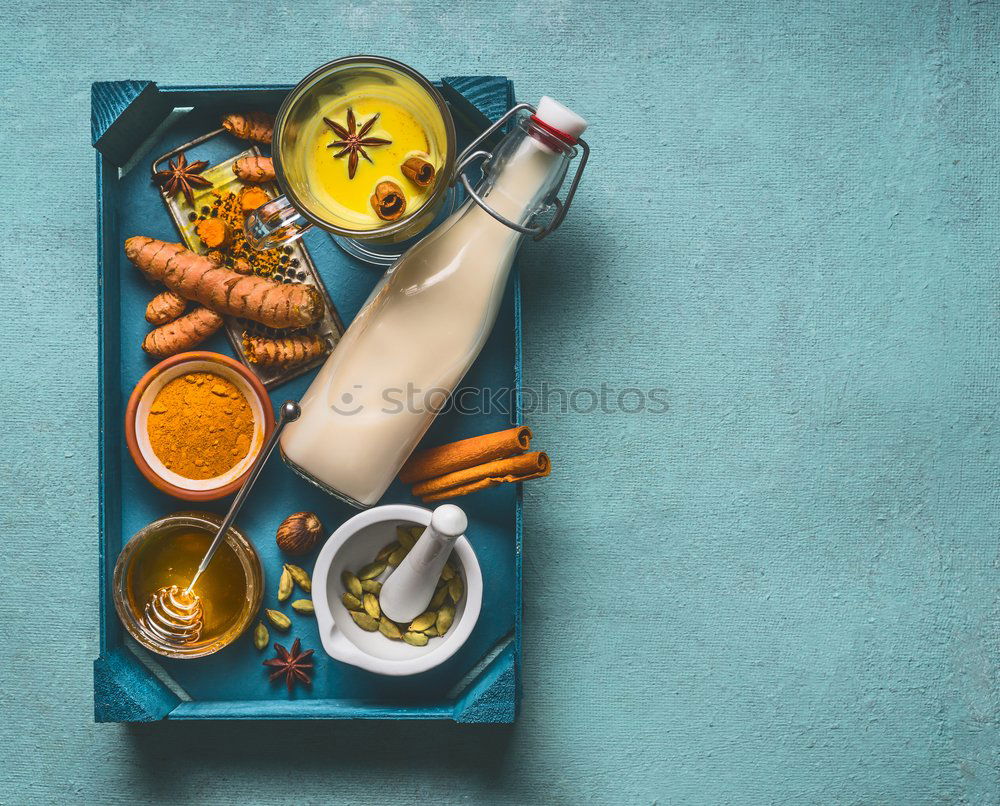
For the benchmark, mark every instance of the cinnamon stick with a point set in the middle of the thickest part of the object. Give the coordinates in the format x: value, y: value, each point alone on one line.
x: 454, y: 456
x: 469, y: 480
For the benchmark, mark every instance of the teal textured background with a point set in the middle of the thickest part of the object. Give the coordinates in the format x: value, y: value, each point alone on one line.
x: 784, y: 589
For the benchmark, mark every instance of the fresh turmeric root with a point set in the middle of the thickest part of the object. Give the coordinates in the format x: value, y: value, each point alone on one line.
x: 282, y: 353
x: 195, y: 277
x: 182, y: 334
x: 165, y: 308
x: 252, y: 198
x: 254, y: 169
x: 213, y: 232
x: 256, y: 126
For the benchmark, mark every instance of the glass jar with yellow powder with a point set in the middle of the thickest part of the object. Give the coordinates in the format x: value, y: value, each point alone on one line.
x: 363, y: 148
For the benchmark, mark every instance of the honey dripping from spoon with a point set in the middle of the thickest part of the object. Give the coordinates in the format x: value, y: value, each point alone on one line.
x: 176, y: 616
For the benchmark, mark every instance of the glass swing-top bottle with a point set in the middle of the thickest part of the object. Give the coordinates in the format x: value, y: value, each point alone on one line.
x: 430, y: 315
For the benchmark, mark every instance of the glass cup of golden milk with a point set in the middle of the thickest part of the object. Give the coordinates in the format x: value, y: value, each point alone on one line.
x: 364, y: 148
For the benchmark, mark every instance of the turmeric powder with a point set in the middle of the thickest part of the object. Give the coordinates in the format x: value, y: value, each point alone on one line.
x: 258, y: 126
x: 200, y: 425
x: 182, y: 334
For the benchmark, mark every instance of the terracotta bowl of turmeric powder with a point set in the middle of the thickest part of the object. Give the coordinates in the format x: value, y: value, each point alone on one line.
x: 195, y: 423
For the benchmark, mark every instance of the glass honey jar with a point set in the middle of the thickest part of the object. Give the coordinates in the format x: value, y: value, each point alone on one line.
x: 167, y: 552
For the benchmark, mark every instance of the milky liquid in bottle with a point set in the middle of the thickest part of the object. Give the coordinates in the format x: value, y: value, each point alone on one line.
x: 423, y: 325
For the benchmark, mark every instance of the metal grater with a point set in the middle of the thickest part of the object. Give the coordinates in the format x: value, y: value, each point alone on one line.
x: 330, y: 327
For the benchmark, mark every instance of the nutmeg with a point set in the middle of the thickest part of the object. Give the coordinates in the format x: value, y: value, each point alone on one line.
x: 299, y: 533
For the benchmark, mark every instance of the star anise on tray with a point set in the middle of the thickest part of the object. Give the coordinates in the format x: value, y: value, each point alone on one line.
x: 294, y: 665
x: 182, y: 177
x: 353, y: 140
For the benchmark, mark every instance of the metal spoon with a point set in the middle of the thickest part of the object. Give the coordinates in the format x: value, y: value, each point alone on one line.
x: 289, y: 413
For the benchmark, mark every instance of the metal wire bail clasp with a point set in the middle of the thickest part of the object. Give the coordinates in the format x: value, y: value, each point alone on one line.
x: 472, y: 153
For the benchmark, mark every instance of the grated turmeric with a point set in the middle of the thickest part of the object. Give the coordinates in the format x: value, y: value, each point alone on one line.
x: 200, y: 425
x: 213, y: 232
x: 238, y: 255
x: 241, y: 266
x: 252, y: 198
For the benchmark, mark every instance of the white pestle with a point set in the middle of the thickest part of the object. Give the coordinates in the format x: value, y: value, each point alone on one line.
x: 410, y: 588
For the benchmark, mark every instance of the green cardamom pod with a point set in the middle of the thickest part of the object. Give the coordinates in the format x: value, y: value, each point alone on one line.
x: 352, y: 583
x: 385, y: 552
x: 405, y: 538
x: 431, y: 632
x: 439, y: 597
x: 371, y: 586
x: 416, y: 531
x: 351, y: 602
x: 389, y: 629
x: 260, y: 636
x: 278, y: 619
x: 284, y: 585
x: 397, y: 557
x: 364, y: 621
x: 456, y: 589
x: 447, y: 572
x: 303, y: 606
x: 444, y: 618
x: 300, y: 576
x: 423, y: 621
x: 371, y: 570
x: 415, y: 638
x: 371, y: 605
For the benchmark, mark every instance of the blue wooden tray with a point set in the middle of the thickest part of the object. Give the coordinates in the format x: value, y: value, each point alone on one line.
x: 133, y: 121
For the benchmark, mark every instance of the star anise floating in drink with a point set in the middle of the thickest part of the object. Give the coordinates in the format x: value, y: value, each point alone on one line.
x: 293, y: 666
x: 182, y: 177
x: 353, y: 140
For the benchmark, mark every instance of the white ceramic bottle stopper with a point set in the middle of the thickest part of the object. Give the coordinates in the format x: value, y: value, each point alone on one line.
x: 410, y: 588
x: 560, y: 117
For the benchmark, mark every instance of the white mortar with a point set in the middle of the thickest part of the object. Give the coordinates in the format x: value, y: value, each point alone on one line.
x: 354, y: 545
